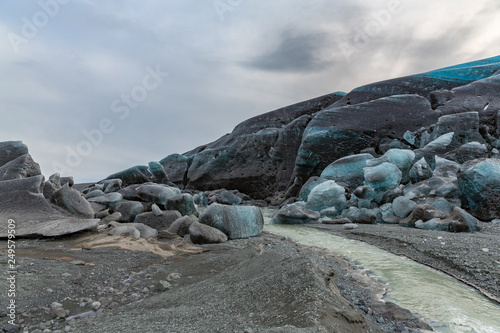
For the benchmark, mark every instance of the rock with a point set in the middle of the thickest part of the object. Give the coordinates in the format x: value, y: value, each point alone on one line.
x: 294, y: 214
x: 176, y: 167
x: 181, y: 226
x: 138, y: 174
x: 330, y: 212
x: 420, y: 171
x: 235, y: 221
x: 48, y: 190
x: 435, y: 224
x: 71, y: 200
x: 130, y: 193
x: 348, y: 170
x: 204, y: 234
x: 158, y: 173
x: 461, y: 221
x: 108, y: 199
x: 10, y: 328
x: 157, y: 194
x: 200, y: 199
x: 382, y: 178
x: 116, y: 217
x: 424, y: 213
x: 435, y: 186
x: 228, y: 198
x: 128, y: 210
x: 308, y: 186
x: 402, y: 206
x: 360, y: 215
x: 342, y: 220
x: 164, y: 221
x: 60, y: 312
x: 446, y: 168
x: 21, y: 167
x: 95, y: 306
x: 112, y: 185
x: 163, y: 285
x: 122, y: 228
x: 465, y: 127
x: 10, y: 150
x: 155, y: 209
x: 467, y: 152
x: 94, y: 194
x: 438, y: 146
x: 479, y: 181
x: 350, y: 226
x: 67, y: 180
x: 401, y: 158
x: 325, y: 195
x: 183, y: 203
x: 98, y: 208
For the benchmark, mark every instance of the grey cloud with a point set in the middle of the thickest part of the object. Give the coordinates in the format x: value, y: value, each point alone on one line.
x: 294, y: 53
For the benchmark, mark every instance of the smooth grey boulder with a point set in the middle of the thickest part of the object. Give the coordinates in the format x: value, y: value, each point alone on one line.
x: 115, y: 217
x: 402, y: 206
x: 72, y: 201
x: 156, y: 193
x: 360, y: 215
x: 325, y: 195
x: 162, y: 222
x: 67, y: 180
x: 129, y: 210
x: 365, y: 192
x: 420, y: 171
x: 382, y: 178
x: 402, y: 158
x: 294, y: 214
x: 183, y: 203
x: 203, y: 234
x: 10, y: 150
x: 348, y: 169
x: 138, y: 230
x: 138, y: 174
x: 479, y: 181
x: 424, y: 213
x: 94, y: 194
x: 21, y: 167
x: 155, y: 210
x: 226, y: 197
x: 130, y: 193
x: 200, y: 199
x: 112, y: 185
x: 308, y: 186
x: 108, y: 199
x: 181, y: 226
x: 235, y: 221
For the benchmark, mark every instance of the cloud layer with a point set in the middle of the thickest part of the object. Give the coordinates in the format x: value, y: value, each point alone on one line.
x: 64, y: 64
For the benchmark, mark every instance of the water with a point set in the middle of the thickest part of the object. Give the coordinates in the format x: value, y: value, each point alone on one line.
x: 447, y: 304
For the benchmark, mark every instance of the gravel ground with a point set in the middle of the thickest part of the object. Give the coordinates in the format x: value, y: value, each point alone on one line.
x: 473, y: 258
x: 263, y: 284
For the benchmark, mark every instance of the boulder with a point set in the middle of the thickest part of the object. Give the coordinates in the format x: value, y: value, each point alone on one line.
x: 72, y: 201
x: 112, y: 185
x: 200, y: 199
x: 115, y: 217
x: 10, y: 150
x: 156, y: 193
x: 446, y: 168
x: 128, y: 210
x: 138, y: 174
x: 402, y: 206
x: 235, y: 221
x: 348, y: 169
x: 94, y: 194
x: 162, y: 222
x: 309, y: 185
x: 129, y: 192
x: 424, y: 213
x: 325, y: 195
x: 158, y: 174
x: 108, y: 199
x: 420, y: 171
x: 479, y: 181
x: 203, y: 234
x: 181, y: 226
x: 21, y: 167
x: 137, y: 230
x: 382, y: 178
x: 461, y: 221
x: 294, y: 214
x: 176, y: 167
x: 226, y: 197
x: 360, y: 215
x: 183, y: 203
x: 467, y: 152
x: 402, y: 158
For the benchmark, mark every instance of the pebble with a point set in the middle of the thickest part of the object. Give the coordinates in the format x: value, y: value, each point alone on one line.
x: 174, y: 276
x: 96, y: 305
x: 485, y: 250
x: 78, y: 262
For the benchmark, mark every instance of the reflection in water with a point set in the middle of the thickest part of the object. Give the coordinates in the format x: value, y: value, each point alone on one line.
x: 449, y: 305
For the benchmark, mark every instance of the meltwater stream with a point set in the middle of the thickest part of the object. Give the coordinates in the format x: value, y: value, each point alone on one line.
x: 448, y: 305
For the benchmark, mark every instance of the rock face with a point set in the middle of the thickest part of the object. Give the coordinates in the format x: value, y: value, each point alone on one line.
x: 272, y: 155
x: 479, y: 181
x: 234, y: 221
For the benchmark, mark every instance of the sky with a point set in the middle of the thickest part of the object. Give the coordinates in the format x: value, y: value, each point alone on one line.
x: 94, y: 87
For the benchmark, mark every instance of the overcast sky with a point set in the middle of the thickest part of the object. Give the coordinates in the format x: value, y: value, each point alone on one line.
x: 93, y: 87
